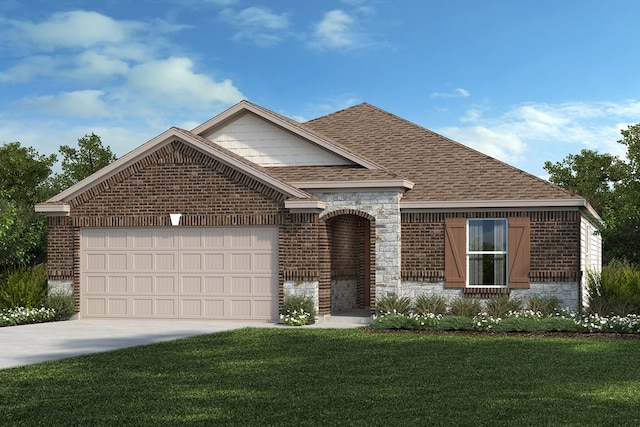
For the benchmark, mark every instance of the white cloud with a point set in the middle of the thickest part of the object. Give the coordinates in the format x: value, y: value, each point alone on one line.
x: 30, y: 68
x: 68, y: 29
x: 505, y: 146
x: 257, y: 24
x: 173, y: 81
x: 336, y: 30
x: 528, y: 134
x: 93, y: 65
x: 83, y: 103
x: 456, y: 93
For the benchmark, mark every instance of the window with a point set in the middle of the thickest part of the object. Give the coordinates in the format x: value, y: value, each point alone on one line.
x: 487, y: 252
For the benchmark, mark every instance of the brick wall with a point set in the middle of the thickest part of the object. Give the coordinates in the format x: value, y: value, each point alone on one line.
x: 555, y: 244
x: 177, y: 178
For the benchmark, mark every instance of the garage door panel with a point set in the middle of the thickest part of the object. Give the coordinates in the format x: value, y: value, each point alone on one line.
x: 191, y: 285
x: 214, y: 285
x: 213, y: 273
x: 191, y: 262
x: 214, y: 261
x: 96, y: 261
x: 214, y: 308
x: 117, y: 284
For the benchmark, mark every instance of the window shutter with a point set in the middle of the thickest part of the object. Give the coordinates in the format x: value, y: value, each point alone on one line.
x: 519, y: 252
x: 455, y: 252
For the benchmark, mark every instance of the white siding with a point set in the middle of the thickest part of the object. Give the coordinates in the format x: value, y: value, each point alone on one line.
x: 267, y: 145
x: 590, y: 252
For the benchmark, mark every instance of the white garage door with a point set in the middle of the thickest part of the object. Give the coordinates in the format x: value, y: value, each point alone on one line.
x: 205, y: 273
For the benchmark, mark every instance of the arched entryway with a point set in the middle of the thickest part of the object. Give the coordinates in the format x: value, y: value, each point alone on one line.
x: 351, y: 243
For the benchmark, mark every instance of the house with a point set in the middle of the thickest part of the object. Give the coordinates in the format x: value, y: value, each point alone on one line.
x: 223, y: 221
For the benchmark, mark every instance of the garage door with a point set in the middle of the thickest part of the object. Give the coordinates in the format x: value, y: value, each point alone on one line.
x: 201, y: 273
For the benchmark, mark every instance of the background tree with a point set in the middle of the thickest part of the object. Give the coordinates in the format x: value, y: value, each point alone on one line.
x: 79, y: 163
x: 612, y: 186
x: 23, y: 183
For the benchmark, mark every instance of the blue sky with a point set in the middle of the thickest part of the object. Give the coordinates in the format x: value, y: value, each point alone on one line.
x: 524, y: 81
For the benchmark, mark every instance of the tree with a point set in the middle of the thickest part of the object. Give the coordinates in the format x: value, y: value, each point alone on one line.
x: 79, y: 163
x: 24, y: 173
x: 23, y: 183
x: 612, y: 186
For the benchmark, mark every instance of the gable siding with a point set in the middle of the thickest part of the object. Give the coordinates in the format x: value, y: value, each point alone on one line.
x: 554, y: 250
x: 266, y: 145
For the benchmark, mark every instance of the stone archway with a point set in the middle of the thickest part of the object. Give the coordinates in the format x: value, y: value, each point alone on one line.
x: 351, y: 244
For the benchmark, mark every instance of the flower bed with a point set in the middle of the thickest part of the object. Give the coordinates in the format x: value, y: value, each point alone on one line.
x: 21, y: 316
x: 519, y: 321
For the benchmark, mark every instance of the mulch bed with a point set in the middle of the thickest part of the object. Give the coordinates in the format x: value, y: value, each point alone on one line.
x: 508, y: 334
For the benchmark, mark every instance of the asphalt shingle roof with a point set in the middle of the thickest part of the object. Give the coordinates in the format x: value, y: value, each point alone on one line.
x: 442, y: 169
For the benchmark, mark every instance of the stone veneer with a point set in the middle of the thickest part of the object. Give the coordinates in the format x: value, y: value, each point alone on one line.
x: 568, y: 293
x: 384, y: 206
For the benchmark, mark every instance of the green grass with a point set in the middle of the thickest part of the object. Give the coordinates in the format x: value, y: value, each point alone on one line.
x: 304, y: 377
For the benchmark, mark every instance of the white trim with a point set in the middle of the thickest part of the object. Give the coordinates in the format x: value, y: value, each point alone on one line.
x: 493, y: 204
x: 245, y: 106
x: 343, y: 185
x: 58, y: 209
x: 305, y: 204
x: 469, y: 252
x: 158, y: 142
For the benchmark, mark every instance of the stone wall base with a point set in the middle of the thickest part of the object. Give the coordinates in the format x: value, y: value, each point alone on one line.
x: 568, y: 293
x: 303, y: 288
x: 64, y: 287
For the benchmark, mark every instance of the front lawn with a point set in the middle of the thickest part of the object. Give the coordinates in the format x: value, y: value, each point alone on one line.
x: 304, y: 377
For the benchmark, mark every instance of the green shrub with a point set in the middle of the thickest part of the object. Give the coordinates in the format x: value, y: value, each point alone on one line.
x: 499, y: 306
x: 559, y: 324
x: 434, y: 304
x: 25, y: 287
x: 547, y: 305
x: 455, y: 323
x: 392, y: 303
x: 468, y: 307
x: 615, y: 290
x: 298, y: 310
x: 393, y: 321
x: 62, y: 303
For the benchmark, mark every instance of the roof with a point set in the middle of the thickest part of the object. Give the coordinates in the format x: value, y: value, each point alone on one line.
x: 384, y: 151
x: 442, y: 169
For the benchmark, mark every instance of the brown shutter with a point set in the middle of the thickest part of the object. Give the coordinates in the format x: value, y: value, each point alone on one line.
x: 519, y: 252
x: 455, y: 252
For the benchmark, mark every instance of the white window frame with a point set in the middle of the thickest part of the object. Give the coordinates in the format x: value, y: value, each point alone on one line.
x: 505, y: 252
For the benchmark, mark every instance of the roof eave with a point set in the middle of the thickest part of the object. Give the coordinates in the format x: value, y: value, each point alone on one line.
x: 500, y: 204
x: 401, y: 184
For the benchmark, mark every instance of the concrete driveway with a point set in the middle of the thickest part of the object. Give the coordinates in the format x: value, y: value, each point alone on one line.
x: 28, y: 344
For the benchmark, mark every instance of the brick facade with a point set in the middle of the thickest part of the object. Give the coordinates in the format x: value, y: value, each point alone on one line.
x: 555, y: 244
x: 177, y: 178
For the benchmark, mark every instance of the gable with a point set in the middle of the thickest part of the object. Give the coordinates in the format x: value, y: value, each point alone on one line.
x: 268, y: 145
x: 164, y: 181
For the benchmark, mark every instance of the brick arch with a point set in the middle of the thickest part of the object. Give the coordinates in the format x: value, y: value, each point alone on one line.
x: 349, y: 221
x: 355, y: 212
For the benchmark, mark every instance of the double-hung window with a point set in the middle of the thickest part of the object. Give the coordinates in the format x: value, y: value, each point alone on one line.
x: 487, y: 243
x: 481, y: 252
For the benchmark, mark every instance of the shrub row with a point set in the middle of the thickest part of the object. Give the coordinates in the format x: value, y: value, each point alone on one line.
x: 498, y: 306
x: 522, y: 321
